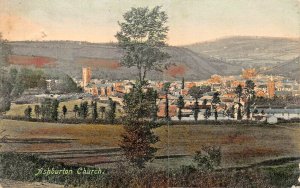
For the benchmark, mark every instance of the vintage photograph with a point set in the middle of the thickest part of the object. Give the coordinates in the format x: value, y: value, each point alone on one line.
x: 142, y: 94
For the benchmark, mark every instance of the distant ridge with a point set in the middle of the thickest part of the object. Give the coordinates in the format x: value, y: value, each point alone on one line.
x: 194, y: 62
x: 250, y: 50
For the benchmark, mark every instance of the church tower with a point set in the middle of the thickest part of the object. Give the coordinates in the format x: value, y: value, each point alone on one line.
x: 86, y: 76
x: 271, y: 88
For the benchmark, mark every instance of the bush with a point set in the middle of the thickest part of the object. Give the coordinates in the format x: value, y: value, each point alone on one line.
x: 208, y: 158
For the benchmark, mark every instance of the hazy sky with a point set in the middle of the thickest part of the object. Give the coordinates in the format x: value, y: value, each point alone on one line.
x: 190, y: 21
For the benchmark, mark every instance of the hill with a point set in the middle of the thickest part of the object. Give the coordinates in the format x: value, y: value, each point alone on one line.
x: 249, y: 51
x: 289, y: 69
x: 69, y: 57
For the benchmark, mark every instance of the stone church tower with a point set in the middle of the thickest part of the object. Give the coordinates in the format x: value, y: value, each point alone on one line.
x: 86, y: 76
x: 271, y: 88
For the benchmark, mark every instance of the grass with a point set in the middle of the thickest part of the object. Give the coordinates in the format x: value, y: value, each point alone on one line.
x: 240, y: 145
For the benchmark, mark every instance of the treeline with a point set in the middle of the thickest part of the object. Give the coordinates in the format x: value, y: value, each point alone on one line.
x: 14, y: 82
x: 48, y: 111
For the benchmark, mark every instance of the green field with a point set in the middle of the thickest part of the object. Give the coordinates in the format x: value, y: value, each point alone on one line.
x: 98, y: 144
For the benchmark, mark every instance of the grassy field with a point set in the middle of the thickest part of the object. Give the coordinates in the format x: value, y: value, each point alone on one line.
x: 98, y: 144
x: 18, y: 109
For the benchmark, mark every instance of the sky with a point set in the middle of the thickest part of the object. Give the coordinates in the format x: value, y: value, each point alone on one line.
x: 190, y: 21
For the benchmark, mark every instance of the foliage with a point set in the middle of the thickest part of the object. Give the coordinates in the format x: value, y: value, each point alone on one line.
x: 5, y: 90
x: 111, y: 114
x: 142, y: 36
x: 76, y: 110
x: 94, y: 110
x: 197, y: 92
x: 23, y: 167
x: 239, y: 93
x: 208, y: 158
x: 67, y: 85
x: 182, y: 83
x: 64, y: 110
x: 27, y: 112
x: 166, y: 88
x: 102, y: 111
x: 26, y: 79
x: 5, y: 51
x: 250, y: 95
x: 54, y: 110
x: 180, y: 105
x: 138, y: 138
x: 83, y: 110
x: 46, y: 109
x: 215, y: 101
x: 37, y: 110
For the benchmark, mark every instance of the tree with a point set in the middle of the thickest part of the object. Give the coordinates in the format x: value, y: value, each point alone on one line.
x: 232, y: 111
x: 215, y: 101
x: 5, y: 51
x: 94, y: 111
x: 6, y: 85
x: 5, y: 90
x: 239, y: 93
x: 208, y: 158
x: 46, y: 109
x: 180, y: 106
x: 111, y: 114
x: 142, y: 37
x: 250, y: 95
x: 64, y: 110
x: 66, y: 84
x: 182, y: 83
x: 166, y: 88
x: 138, y: 138
x: 197, y: 92
x: 102, y: 111
x: 27, y: 112
x: 54, y: 110
x: 207, y: 110
x: 152, y: 95
x: 37, y: 110
x: 84, y: 110
x: 75, y: 110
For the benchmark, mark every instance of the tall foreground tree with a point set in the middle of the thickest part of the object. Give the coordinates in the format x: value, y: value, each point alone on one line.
x: 142, y: 37
x: 138, y: 138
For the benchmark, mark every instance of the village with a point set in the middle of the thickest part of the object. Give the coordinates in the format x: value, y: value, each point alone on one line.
x: 267, y: 87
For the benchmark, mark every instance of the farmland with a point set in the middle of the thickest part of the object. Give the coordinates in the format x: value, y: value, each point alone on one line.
x: 98, y: 144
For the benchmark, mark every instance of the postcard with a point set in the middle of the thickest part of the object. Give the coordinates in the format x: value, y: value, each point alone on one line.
x: 162, y: 93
